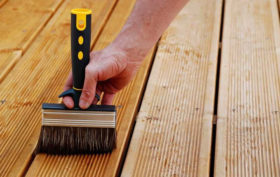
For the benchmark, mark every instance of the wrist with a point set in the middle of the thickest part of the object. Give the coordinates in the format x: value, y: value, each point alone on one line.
x: 133, y: 41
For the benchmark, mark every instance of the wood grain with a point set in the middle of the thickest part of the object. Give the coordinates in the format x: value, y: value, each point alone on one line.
x: 2, y: 2
x: 106, y: 164
x: 7, y: 61
x: 172, y: 136
x: 38, y: 77
x: 248, y: 126
x: 21, y: 21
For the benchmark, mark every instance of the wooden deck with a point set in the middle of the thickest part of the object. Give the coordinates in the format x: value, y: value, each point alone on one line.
x: 206, y: 101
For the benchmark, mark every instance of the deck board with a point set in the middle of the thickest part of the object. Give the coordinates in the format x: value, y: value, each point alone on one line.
x: 172, y: 135
x: 248, y: 124
x: 38, y: 77
x: 107, y: 164
x: 21, y: 21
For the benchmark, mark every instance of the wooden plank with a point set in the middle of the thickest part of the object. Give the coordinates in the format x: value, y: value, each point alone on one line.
x: 248, y: 126
x: 172, y: 136
x: 38, y: 77
x: 21, y: 21
x: 107, y: 164
x: 7, y: 61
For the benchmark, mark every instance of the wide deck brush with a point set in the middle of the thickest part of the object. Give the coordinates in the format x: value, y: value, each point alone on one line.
x: 76, y: 131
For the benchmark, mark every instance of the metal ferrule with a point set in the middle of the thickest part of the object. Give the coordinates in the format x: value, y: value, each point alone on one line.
x: 96, y: 119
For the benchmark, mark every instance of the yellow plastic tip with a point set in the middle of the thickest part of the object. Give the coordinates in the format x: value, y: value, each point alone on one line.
x: 81, y: 11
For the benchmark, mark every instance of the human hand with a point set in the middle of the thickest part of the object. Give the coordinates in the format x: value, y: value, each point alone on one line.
x: 108, y: 71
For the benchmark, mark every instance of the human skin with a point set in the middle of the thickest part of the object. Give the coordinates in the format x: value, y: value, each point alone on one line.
x: 112, y: 68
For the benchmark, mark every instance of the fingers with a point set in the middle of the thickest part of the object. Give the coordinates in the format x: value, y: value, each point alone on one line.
x: 67, y: 100
x: 107, y: 98
x: 88, y: 92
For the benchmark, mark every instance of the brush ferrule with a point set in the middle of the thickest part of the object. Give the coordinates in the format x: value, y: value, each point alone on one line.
x: 74, y: 118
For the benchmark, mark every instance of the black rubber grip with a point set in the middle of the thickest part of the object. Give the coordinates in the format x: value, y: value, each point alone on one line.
x: 79, y: 64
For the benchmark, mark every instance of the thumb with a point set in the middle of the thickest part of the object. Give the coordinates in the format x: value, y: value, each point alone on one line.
x: 88, y: 92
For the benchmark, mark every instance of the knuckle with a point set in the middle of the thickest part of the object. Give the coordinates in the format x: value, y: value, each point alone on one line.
x: 88, y: 70
x: 119, y: 63
x: 92, y: 55
x: 91, y: 71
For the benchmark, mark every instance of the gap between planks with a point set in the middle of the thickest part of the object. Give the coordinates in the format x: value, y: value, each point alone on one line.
x: 214, y: 130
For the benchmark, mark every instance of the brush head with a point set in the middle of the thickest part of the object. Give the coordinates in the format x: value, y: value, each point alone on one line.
x: 77, y: 131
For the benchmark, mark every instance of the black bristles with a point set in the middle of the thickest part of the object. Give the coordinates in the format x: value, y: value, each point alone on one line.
x: 76, y: 140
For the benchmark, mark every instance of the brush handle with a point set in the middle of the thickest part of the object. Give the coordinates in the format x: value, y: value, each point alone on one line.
x: 80, y: 48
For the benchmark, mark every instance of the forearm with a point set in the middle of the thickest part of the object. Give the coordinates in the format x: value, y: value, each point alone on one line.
x: 111, y: 69
x: 147, y: 22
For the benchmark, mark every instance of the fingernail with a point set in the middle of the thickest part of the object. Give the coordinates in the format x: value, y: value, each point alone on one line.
x: 70, y: 104
x: 66, y: 103
x: 83, y: 104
